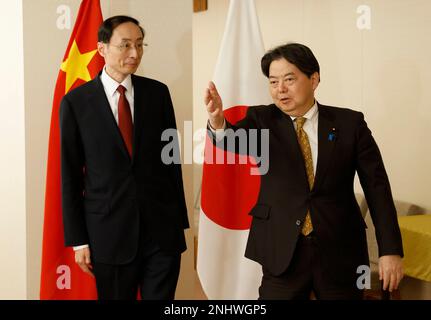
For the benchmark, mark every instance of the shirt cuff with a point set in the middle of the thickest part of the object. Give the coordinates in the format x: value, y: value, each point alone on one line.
x: 80, y: 247
x: 219, y: 133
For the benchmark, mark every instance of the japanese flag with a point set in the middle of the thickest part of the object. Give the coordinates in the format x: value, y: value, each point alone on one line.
x: 230, y: 191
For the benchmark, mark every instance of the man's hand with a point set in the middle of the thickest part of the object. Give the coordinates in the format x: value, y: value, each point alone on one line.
x: 82, y: 258
x: 390, y: 271
x: 214, y: 106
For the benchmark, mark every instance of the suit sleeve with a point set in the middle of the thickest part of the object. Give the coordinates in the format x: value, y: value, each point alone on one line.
x: 72, y: 177
x: 236, y: 136
x: 175, y: 167
x: 375, y: 183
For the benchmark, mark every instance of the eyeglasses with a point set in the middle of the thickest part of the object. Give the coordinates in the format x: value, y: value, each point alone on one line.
x: 127, y: 46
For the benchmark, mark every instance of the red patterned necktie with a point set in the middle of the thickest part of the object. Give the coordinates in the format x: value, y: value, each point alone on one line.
x: 125, y: 119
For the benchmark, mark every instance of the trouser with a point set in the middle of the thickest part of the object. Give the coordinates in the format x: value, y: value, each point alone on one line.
x: 153, y: 273
x: 304, y: 276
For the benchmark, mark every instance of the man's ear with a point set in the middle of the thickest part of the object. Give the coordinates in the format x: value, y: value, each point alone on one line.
x: 315, y: 79
x: 101, y: 47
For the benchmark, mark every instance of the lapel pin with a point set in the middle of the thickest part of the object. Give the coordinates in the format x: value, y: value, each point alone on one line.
x: 332, y: 135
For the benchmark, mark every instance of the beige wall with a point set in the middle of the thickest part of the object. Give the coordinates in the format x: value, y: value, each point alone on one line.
x: 382, y: 71
x: 12, y: 160
x: 168, y: 59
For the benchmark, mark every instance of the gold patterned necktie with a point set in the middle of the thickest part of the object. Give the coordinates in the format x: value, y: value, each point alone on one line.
x: 307, y: 227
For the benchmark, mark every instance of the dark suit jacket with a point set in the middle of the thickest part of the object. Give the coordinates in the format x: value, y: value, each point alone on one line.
x: 285, y: 195
x: 106, y: 195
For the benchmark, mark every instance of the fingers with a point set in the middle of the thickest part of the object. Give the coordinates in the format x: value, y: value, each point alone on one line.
x: 210, y: 107
x: 386, y: 278
x: 208, y: 92
x: 389, y: 277
x: 87, y: 269
x: 211, y: 86
x: 214, y: 112
x: 82, y: 258
x: 87, y: 259
x: 392, y: 281
x: 380, y: 272
x: 390, y: 271
x: 398, y: 277
x: 213, y: 90
x: 211, y: 94
x: 214, y: 106
x: 207, y: 97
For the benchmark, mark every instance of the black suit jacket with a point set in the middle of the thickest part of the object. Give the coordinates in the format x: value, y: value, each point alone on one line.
x: 285, y: 195
x: 106, y: 195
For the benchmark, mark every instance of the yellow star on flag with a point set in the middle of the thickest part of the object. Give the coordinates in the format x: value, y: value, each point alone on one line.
x: 76, y: 64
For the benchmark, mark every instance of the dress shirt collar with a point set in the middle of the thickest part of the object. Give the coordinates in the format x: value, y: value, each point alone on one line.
x: 111, y: 85
x: 310, y: 113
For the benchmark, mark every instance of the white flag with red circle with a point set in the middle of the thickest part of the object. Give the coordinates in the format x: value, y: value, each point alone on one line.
x: 229, y: 191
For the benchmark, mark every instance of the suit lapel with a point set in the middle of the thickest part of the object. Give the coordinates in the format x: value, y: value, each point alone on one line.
x: 100, y: 101
x: 326, y: 143
x: 140, y: 104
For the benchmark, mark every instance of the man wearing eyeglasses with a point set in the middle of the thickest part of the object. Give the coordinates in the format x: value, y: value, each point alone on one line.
x: 124, y: 210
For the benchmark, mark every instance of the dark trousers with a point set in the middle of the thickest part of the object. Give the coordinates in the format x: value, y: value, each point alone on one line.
x: 153, y: 273
x: 305, y: 276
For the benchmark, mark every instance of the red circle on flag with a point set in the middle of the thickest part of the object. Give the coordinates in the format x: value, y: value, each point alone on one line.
x: 229, y: 191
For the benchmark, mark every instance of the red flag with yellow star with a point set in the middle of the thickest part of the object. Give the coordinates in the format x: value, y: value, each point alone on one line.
x: 61, y: 278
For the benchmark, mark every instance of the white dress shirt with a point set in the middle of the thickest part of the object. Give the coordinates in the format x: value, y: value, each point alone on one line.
x: 110, y: 86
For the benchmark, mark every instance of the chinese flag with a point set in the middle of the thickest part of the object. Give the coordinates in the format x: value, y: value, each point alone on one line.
x: 61, y: 278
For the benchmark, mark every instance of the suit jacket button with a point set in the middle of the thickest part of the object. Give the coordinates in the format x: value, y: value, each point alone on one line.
x: 298, y: 222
